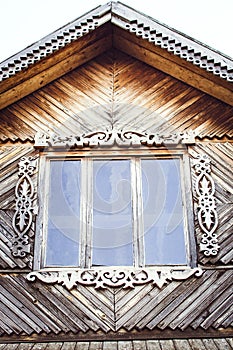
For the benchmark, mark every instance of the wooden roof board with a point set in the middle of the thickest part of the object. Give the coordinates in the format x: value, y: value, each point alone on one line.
x: 116, y: 25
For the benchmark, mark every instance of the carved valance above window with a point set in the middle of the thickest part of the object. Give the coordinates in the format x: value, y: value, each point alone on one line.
x: 113, y: 137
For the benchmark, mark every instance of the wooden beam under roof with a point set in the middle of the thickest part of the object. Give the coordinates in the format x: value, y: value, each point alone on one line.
x: 172, y: 65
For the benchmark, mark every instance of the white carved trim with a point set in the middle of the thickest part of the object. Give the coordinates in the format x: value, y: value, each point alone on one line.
x: 113, y: 277
x: 207, y: 215
x: 24, y: 209
x: 111, y: 138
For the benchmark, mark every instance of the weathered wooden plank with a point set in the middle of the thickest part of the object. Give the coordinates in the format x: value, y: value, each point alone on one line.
x: 166, y: 344
x: 136, y: 47
x: 68, y: 346
x: 171, y: 302
x: 200, y: 296
x: 182, y: 344
x: 220, y: 303
x: 153, y: 345
x: 196, y: 344
x: 96, y: 345
x: 18, y: 308
x: 84, y: 308
x: 26, y: 304
x: 66, y: 309
x: 56, y: 70
x: 139, y: 344
x: 125, y: 345
x: 82, y: 346
x: 99, y: 300
x: 54, y: 346
x: 226, y: 319
x: 110, y: 345
x: 210, y: 344
x: 222, y: 344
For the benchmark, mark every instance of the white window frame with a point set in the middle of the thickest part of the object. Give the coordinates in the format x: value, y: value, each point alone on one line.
x: 109, y: 144
x: 86, y: 234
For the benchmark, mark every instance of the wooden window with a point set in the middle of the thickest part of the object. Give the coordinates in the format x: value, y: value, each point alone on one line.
x: 126, y: 208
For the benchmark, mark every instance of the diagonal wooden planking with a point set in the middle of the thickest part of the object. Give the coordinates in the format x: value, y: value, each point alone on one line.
x: 178, y: 304
x: 9, y: 159
x: 115, y: 89
x: 35, y: 307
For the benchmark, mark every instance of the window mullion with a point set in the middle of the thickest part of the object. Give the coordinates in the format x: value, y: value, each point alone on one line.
x: 86, y: 213
x: 138, y: 236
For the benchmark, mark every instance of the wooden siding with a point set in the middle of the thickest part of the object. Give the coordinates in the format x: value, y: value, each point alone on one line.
x: 176, y: 344
x: 115, y: 89
x: 27, y: 308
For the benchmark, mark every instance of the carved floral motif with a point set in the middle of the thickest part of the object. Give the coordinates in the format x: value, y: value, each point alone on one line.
x: 110, y: 277
x: 207, y: 215
x: 111, y: 138
x: 22, y: 220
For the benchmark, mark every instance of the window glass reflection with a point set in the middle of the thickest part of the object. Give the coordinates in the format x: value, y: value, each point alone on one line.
x: 112, y: 213
x: 163, y: 212
x: 62, y: 247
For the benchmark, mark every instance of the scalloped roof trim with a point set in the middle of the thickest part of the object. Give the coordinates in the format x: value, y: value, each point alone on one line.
x: 130, y: 20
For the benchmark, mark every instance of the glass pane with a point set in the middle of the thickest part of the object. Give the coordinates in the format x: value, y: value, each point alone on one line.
x: 163, y: 212
x: 62, y: 247
x: 112, y: 213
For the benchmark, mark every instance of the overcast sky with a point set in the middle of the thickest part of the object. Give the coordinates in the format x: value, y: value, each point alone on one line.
x: 24, y: 22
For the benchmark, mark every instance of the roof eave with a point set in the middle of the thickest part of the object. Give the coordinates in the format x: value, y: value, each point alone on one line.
x: 117, y: 25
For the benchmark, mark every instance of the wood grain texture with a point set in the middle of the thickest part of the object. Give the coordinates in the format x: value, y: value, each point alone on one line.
x: 176, y: 344
x: 36, y: 308
x: 116, y: 89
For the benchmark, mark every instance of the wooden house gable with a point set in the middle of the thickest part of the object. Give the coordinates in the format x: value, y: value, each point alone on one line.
x: 113, y: 70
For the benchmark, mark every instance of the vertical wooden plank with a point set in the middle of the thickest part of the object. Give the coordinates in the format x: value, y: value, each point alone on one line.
x: 139, y: 344
x: 153, y: 345
x: 125, y: 345
x: 82, y: 346
x: 110, y: 345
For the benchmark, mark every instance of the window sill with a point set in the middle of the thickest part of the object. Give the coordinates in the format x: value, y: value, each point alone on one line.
x: 102, y: 277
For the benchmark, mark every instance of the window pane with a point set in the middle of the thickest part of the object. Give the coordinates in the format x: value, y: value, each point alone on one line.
x: 63, y: 213
x: 163, y: 212
x: 112, y: 213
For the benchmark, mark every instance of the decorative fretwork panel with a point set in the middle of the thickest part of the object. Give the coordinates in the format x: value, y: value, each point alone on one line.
x: 108, y: 138
x: 207, y: 215
x: 110, y: 277
x: 25, y: 207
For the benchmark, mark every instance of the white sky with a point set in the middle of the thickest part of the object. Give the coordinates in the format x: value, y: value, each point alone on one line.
x: 24, y: 22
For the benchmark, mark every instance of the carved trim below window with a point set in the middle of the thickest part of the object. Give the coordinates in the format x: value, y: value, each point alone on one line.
x: 113, y: 277
x: 22, y: 220
x: 111, y: 138
x: 207, y: 215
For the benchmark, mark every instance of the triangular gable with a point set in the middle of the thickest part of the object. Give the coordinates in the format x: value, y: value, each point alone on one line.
x: 116, y: 25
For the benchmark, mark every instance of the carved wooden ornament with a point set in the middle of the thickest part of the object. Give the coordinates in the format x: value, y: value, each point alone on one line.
x: 113, y: 137
x: 113, y: 277
x: 207, y: 215
x: 24, y: 209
